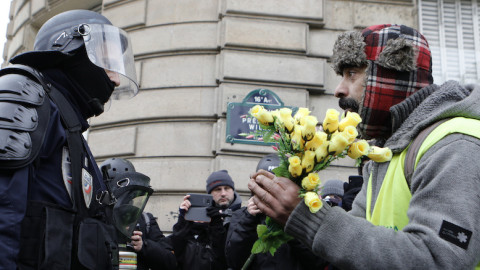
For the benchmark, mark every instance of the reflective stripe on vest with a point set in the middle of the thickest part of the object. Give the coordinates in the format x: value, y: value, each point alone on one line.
x: 393, y: 199
x: 392, y: 203
x: 391, y: 207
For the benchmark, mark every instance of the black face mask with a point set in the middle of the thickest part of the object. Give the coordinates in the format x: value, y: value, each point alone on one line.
x: 92, y: 80
x: 85, y: 85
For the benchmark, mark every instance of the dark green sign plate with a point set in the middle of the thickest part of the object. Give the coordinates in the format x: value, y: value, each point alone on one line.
x: 241, y: 127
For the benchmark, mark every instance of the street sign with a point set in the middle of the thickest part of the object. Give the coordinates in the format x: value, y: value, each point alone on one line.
x: 241, y: 126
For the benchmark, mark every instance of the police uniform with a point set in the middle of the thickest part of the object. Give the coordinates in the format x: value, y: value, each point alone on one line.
x: 51, y: 187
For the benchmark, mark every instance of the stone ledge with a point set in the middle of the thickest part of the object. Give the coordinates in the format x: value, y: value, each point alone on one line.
x: 167, y: 11
x: 160, y: 104
x: 103, y: 144
x: 127, y: 15
x: 179, y: 71
x: 288, y: 70
x: 174, y: 38
x: 310, y: 11
x: 263, y: 34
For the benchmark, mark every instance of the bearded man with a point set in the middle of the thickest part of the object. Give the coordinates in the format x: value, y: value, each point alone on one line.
x: 201, y: 245
x: 425, y: 217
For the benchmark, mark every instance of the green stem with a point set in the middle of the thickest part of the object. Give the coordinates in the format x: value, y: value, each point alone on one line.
x: 248, y: 262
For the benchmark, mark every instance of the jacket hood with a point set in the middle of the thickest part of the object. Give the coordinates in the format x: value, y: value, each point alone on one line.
x: 237, y: 202
x: 429, y: 105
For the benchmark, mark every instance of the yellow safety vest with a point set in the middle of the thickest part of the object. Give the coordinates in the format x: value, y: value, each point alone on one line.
x: 394, y: 197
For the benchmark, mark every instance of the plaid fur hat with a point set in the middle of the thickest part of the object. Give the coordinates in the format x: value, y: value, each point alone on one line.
x: 398, y: 62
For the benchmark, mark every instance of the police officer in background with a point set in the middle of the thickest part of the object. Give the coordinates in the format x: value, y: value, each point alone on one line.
x: 54, y: 204
x: 147, y: 240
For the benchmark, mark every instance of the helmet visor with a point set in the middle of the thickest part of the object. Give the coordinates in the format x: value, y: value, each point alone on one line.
x: 109, y: 47
x: 129, y: 207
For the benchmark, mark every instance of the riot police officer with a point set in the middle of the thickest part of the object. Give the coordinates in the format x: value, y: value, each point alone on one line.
x: 149, y: 246
x: 54, y: 204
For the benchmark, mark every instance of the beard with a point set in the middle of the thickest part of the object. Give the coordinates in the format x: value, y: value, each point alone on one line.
x: 348, y: 104
x: 224, y: 204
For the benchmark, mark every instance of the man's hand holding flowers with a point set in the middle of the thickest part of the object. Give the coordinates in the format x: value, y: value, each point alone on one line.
x: 303, y: 151
x: 275, y: 196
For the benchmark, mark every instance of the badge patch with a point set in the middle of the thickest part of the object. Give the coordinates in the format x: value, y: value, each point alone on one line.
x: 455, y: 234
x: 87, y: 187
x: 67, y: 171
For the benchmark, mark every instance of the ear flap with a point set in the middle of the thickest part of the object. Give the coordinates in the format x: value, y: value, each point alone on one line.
x: 398, y: 54
x: 348, y: 51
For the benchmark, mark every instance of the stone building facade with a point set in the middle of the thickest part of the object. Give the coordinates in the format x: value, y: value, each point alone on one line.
x: 193, y: 57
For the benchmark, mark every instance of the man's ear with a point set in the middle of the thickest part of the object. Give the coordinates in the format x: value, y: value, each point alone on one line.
x: 398, y: 54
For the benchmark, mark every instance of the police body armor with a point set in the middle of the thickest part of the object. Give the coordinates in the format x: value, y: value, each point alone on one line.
x: 52, y: 237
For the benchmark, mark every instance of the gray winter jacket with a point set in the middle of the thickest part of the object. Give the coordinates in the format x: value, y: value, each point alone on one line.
x: 445, y: 187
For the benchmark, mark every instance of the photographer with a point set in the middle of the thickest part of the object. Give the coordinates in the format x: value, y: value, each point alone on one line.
x: 201, y: 245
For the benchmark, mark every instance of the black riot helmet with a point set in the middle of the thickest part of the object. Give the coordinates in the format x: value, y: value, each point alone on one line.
x: 268, y: 162
x: 107, y: 46
x: 110, y: 167
x: 132, y: 191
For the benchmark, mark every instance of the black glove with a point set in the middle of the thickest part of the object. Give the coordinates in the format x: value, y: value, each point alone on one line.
x: 178, y: 242
x: 215, y: 212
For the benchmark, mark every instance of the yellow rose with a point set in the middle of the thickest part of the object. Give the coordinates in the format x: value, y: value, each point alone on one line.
x: 287, y: 119
x: 311, y: 181
x: 262, y: 115
x: 275, y: 113
x: 379, y: 154
x: 296, y: 138
x: 322, y: 152
x: 295, y: 166
x: 301, y: 113
x: 358, y: 149
x: 295, y: 161
x: 330, y: 124
x: 309, y: 127
x: 308, y: 161
x: 351, y: 119
x: 295, y: 171
x: 313, y: 201
x: 338, y: 143
x: 319, y: 139
x: 351, y: 133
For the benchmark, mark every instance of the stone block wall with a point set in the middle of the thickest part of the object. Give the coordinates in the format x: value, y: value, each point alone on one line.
x: 193, y: 58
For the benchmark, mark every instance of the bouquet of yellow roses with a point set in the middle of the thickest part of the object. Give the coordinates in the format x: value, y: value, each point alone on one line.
x: 304, y: 151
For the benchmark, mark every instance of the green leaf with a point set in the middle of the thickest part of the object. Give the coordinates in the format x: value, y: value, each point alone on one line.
x: 281, y: 171
x: 272, y: 250
x: 268, y: 221
x: 258, y: 247
x: 261, y: 229
x: 286, y: 237
x: 267, y: 136
x: 277, y: 243
x: 255, y: 249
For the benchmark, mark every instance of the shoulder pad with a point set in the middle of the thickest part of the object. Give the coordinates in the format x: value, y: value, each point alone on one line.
x: 14, y: 145
x: 19, y: 88
x: 24, y: 117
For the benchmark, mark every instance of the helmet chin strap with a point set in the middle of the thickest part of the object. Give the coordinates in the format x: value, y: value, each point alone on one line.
x: 96, y: 106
